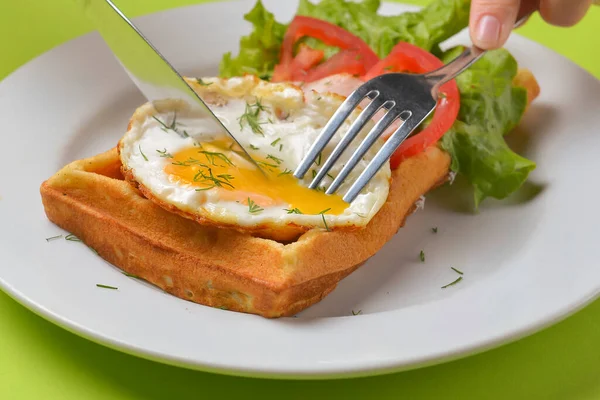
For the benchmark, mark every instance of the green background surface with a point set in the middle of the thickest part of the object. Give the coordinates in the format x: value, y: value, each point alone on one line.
x: 41, y: 361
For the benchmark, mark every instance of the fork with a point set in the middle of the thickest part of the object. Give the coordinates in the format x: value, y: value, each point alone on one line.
x: 408, y: 97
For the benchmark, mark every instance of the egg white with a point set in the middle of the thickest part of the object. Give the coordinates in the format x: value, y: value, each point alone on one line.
x: 291, y: 116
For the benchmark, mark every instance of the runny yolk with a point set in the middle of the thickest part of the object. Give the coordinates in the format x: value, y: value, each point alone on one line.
x: 218, y: 166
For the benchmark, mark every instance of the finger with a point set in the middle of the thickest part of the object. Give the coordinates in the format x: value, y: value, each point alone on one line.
x: 564, y: 12
x: 528, y: 7
x: 492, y: 21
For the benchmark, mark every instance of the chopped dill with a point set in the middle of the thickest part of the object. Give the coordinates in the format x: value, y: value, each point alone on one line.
x: 253, y: 208
x: 422, y: 256
x: 318, y: 160
x: 251, y: 115
x: 266, y: 164
x: 226, y: 177
x: 274, y: 142
x: 211, y: 155
x: 356, y: 312
x: 210, y: 179
x: 142, y: 153
x: 202, y: 83
x: 280, y: 147
x: 453, y: 282
x: 323, y: 218
x: 293, y: 211
x: 163, y: 153
x: 434, y: 229
x: 72, y: 238
x: 286, y: 172
x: 253, y: 147
x: 172, y: 126
x: 277, y: 160
x: 457, y: 271
x: 53, y: 238
x: 189, y: 162
x: 106, y: 287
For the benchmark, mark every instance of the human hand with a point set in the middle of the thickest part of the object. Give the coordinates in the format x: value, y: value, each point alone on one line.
x: 492, y: 20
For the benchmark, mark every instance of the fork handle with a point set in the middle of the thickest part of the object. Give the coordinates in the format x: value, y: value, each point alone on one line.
x: 455, y: 67
x: 463, y: 61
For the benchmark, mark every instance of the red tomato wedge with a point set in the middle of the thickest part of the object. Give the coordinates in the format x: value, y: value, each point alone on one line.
x: 307, y: 58
x: 406, y: 57
x: 331, y: 35
x: 346, y: 61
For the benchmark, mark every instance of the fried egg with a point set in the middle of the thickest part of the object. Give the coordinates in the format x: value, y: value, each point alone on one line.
x: 184, y: 164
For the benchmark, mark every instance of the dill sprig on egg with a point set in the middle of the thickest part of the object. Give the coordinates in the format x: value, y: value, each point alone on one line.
x: 200, y: 82
x: 266, y: 164
x: 164, y: 153
x: 211, y: 155
x: 293, y: 211
x: 142, y: 152
x: 211, y: 180
x: 251, y: 115
x: 253, y: 208
x: 276, y: 159
x: 323, y: 218
x: 189, y: 162
x: 173, y: 126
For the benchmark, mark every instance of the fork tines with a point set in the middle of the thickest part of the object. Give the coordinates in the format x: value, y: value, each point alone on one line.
x: 394, y: 111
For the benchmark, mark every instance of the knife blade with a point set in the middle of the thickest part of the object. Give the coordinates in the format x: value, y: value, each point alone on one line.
x: 154, y: 76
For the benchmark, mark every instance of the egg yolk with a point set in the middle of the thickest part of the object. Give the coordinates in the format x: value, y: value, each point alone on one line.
x: 218, y: 165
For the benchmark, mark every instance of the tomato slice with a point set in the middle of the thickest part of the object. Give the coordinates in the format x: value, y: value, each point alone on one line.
x: 346, y: 61
x: 406, y: 57
x: 307, y: 58
x: 329, y: 34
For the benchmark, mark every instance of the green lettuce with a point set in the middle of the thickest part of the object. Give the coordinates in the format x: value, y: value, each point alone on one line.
x: 425, y: 28
x: 259, y: 51
x: 490, y: 108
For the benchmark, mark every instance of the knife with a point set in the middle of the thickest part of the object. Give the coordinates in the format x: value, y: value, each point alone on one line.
x: 154, y: 76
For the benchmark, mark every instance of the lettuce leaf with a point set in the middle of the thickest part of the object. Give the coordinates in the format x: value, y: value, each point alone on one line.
x: 259, y: 51
x: 425, y: 28
x: 490, y: 108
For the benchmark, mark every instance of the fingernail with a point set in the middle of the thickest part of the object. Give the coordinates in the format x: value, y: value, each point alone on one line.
x: 488, y: 31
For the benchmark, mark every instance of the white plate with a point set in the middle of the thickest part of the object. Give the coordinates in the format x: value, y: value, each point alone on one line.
x: 526, y: 264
